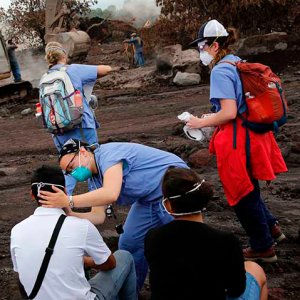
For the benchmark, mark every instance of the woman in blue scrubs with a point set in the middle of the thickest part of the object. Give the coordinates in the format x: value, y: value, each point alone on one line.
x: 126, y: 173
x: 82, y: 77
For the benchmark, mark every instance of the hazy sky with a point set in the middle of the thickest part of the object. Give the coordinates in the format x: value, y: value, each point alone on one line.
x: 101, y: 3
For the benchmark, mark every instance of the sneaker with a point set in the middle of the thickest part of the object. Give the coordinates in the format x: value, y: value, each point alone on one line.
x: 267, y: 256
x: 276, y: 233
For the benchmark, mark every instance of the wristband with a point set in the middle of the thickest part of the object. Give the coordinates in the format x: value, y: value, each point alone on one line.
x: 71, y: 203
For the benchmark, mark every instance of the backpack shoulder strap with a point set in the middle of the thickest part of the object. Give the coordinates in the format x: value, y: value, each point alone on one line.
x: 49, y: 251
x: 231, y: 62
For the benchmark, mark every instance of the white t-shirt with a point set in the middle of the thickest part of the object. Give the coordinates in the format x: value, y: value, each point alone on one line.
x: 64, y: 279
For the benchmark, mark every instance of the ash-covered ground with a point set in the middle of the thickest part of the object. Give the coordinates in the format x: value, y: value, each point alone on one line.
x: 138, y: 106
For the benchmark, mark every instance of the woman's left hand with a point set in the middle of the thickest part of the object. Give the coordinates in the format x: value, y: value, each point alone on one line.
x: 195, y: 123
x: 54, y: 200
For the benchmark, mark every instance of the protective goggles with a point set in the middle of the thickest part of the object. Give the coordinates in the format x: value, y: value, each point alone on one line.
x: 201, y: 45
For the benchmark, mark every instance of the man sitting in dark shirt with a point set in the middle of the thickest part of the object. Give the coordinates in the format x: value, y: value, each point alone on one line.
x: 190, y: 260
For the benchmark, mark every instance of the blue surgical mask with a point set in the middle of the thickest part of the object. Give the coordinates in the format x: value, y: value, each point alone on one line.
x: 82, y: 173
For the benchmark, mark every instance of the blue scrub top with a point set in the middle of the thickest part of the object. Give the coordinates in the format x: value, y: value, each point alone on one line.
x: 80, y: 76
x: 143, y: 170
x: 225, y: 83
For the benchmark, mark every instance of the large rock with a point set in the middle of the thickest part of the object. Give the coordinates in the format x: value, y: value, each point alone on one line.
x: 170, y: 53
x: 188, y: 62
x: 186, y: 79
x: 200, y: 159
x: 172, y: 57
x: 261, y: 44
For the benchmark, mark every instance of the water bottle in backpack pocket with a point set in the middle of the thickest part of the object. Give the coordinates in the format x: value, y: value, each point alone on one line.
x: 62, y: 109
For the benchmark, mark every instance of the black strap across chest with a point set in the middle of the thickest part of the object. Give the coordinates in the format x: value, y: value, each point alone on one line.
x: 49, y: 251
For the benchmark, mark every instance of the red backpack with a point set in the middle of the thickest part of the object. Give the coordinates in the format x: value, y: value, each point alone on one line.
x: 266, y: 105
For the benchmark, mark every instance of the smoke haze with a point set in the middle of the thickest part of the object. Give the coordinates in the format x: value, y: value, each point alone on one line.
x: 32, y: 64
x: 141, y: 11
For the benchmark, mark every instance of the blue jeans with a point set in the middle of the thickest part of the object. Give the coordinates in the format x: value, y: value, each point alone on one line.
x: 256, y: 219
x: 16, y: 70
x: 121, y: 281
x: 252, y: 291
x: 139, y: 58
x: 90, y: 136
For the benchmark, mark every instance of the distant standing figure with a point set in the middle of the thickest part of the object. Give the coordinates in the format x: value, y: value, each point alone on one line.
x: 138, y: 44
x: 13, y: 60
x: 129, y: 51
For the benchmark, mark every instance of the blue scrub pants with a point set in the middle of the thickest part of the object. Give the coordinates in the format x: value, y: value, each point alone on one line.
x: 90, y: 136
x: 256, y: 219
x: 16, y: 70
x: 141, y: 218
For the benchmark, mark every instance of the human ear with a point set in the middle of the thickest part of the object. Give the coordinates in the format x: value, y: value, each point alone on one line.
x: 83, y: 151
x: 31, y: 195
x: 216, y: 46
x: 168, y: 206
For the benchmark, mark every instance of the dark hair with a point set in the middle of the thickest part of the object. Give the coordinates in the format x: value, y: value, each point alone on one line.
x: 46, y: 174
x: 9, y: 41
x: 178, y: 181
x: 224, y: 43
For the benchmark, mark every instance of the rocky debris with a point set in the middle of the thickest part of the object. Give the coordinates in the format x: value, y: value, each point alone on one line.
x: 187, y: 79
x: 170, y: 53
x: 134, y: 78
x: 212, y: 206
x: 164, y: 65
x: 178, y: 129
x: 188, y: 62
x: 276, y: 294
x: 258, y: 44
x: 26, y: 112
x: 4, y: 112
x: 200, y: 159
x: 172, y: 57
x: 7, y: 171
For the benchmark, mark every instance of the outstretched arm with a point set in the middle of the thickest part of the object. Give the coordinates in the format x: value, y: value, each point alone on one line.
x: 103, y: 70
x: 112, y: 183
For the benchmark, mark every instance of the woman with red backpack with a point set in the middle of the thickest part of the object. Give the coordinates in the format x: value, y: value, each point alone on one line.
x: 240, y: 167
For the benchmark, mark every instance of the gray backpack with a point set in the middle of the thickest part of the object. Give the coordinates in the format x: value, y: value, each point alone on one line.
x: 57, y: 99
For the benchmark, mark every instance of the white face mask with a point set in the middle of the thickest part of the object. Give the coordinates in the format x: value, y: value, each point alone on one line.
x: 206, y: 58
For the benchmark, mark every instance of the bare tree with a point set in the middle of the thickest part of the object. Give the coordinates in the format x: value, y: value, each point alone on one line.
x: 181, y: 19
x: 27, y: 18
